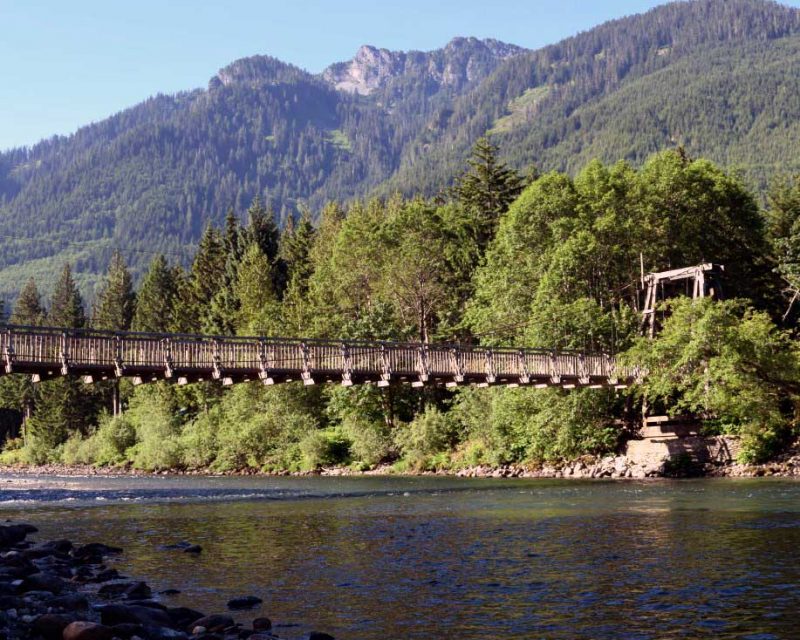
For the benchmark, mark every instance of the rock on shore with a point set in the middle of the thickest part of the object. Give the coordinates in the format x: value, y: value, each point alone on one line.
x: 56, y: 590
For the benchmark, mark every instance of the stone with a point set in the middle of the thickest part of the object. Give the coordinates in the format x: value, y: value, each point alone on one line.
x: 70, y: 602
x: 114, y: 614
x: 14, y: 533
x: 127, y: 590
x: 128, y: 630
x: 182, y: 617
x: 262, y: 624
x: 106, y: 575
x: 194, y: 548
x: 42, y: 582
x: 214, y: 623
x: 90, y: 552
x: 246, y: 602
x: 51, y: 625
x: 87, y: 631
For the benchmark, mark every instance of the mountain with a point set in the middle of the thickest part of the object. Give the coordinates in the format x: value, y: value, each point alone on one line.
x: 720, y: 77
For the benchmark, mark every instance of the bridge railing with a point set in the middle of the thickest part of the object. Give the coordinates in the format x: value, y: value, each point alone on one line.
x: 368, y: 359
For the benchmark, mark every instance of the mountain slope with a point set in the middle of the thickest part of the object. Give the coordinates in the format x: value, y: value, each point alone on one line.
x: 720, y: 77
x: 631, y: 87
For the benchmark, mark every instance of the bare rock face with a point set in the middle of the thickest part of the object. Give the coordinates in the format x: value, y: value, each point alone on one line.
x: 463, y: 61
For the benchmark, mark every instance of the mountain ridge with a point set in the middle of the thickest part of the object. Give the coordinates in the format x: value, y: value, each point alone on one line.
x: 148, y: 179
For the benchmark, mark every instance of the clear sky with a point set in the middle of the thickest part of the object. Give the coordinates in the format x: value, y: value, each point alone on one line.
x: 71, y: 62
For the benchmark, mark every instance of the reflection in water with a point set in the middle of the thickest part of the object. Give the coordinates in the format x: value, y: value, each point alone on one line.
x: 434, y: 558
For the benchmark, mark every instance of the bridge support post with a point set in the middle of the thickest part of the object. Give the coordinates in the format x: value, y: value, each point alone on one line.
x: 116, y: 403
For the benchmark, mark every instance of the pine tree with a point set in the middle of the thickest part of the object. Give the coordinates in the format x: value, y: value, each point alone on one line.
x: 28, y: 310
x: 116, y: 301
x: 205, y: 280
x: 66, y: 309
x: 487, y: 188
x: 295, y: 249
x: 63, y: 406
x: 259, y: 309
x: 17, y: 391
x: 225, y: 305
x: 261, y: 228
x: 157, y: 298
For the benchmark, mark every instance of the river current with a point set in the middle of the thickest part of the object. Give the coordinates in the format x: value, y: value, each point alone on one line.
x: 407, y: 558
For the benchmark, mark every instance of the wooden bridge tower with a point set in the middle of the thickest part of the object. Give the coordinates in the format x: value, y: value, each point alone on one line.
x: 700, y: 281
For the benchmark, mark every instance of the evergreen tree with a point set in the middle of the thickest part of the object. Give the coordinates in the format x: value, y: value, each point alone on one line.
x: 205, y: 279
x: 17, y: 391
x: 487, y: 188
x: 295, y: 250
x: 63, y: 406
x: 259, y: 309
x: 225, y: 305
x: 262, y: 230
x: 116, y: 302
x: 28, y: 310
x: 157, y: 298
x: 66, y: 308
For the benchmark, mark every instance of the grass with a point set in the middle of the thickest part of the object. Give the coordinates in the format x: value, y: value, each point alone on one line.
x: 521, y: 109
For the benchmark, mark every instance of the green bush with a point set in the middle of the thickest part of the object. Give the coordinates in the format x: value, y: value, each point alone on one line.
x: 326, y: 447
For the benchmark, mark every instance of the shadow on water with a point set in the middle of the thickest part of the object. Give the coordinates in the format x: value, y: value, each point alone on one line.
x: 434, y: 558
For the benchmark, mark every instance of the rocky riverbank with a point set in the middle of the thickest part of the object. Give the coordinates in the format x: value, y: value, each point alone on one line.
x: 631, y: 466
x: 56, y: 590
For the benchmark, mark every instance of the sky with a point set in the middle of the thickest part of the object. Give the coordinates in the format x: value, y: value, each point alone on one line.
x: 70, y: 63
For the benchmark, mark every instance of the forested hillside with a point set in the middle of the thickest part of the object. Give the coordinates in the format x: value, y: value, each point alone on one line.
x: 552, y: 264
x: 719, y: 77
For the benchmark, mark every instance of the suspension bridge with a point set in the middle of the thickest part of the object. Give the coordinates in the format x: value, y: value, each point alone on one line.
x: 49, y: 352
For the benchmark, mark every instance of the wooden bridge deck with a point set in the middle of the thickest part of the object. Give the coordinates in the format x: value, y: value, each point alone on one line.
x: 99, y: 355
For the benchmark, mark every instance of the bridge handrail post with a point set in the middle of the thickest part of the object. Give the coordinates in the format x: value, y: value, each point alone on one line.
x: 583, y: 372
x: 457, y: 359
x: 490, y: 369
x: 118, y: 363
x: 8, y: 351
x: 555, y: 374
x: 611, y: 370
x: 168, y: 362
x: 216, y: 360
x: 64, y: 355
x: 423, y: 367
x: 307, y: 373
x: 522, y: 368
x: 386, y: 366
x: 347, y: 365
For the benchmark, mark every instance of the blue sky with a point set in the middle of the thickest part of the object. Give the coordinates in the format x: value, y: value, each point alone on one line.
x: 69, y: 63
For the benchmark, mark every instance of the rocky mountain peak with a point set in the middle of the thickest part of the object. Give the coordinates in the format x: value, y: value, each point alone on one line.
x: 461, y: 61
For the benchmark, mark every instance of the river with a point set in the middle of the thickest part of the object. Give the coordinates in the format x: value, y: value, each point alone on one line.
x: 407, y: 558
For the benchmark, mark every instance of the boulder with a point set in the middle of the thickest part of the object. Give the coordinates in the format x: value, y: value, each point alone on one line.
x: 51, y: 625
x: 69, y: 602
x: 128, y: 630
x: 245, y: 602
x: 87, y: 631
x: 14, y: 533
x: 213, y: 623
x: 182, y: 617
x: 90, y: 553
x: 42, y: 582
x: 114, y: 614
x: 262, y: 624
x: 127, y: 590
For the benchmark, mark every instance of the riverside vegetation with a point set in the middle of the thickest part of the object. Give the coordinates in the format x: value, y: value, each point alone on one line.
x: 549, y: 261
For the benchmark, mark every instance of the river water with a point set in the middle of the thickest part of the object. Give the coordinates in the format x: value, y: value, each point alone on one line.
x: 402, y: 558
